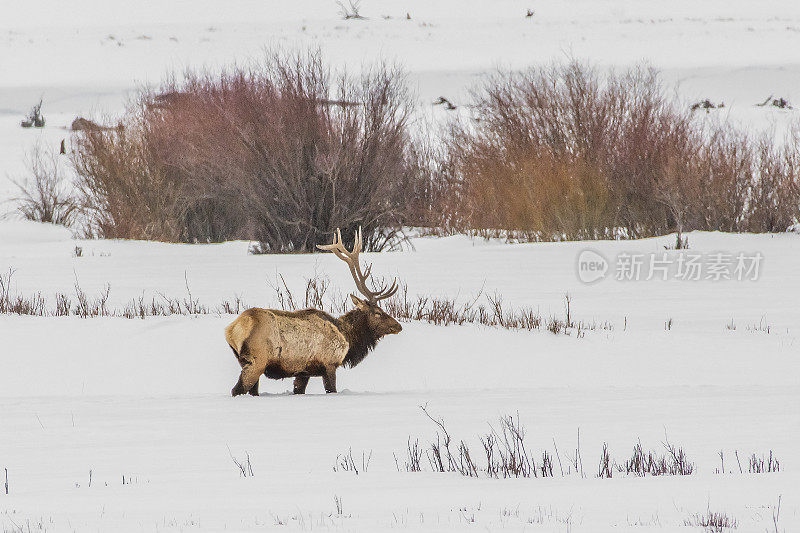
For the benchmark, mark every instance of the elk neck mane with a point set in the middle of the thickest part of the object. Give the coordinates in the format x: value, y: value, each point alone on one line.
x: 360, y: 336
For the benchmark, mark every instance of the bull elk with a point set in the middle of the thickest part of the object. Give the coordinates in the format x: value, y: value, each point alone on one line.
x: 307, y: 343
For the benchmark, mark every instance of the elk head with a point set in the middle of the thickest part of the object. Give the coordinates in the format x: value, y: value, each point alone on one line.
x: 377, y: 320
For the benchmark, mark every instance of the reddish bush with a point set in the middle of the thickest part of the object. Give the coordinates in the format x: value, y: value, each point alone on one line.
x: 282, y: 153
x: 126, y: 192
x: 565, y: 153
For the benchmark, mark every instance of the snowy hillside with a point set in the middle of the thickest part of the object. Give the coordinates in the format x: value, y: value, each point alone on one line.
x: 86, y: 58
x: 127, y: 424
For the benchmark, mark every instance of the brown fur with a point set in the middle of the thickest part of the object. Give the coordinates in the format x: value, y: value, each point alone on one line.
x: 303, y: 344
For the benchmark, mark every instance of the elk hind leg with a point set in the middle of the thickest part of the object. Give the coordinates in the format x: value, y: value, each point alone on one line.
x: 329, y: 379
x: 254, y: 362
x: 253, y: 391
x: 300, y: 384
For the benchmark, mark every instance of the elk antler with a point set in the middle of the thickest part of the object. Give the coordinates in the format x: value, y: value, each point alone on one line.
x: 351, y: 258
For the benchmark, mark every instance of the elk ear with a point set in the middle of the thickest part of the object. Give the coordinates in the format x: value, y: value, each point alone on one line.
x: 361, y: 304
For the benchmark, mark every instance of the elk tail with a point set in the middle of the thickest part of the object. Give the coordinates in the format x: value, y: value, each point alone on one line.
x: 237, y: 332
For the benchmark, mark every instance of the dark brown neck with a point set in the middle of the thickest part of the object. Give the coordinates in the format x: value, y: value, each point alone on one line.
x: 355, y: 327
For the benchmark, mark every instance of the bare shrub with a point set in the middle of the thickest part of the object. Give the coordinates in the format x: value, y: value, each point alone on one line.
x: 553, y: 147
x: 346, y: 463
x: 493, y: 313
x: 721, y: 182
x: 564, y: 153
x: 413, y: 462
x: 87, y: 307
x: 776, y: 511
x: 762, y: 327
x: 351, y: 11
x: 440, y: 311
x: 442, y: 458
x: 339, y: 507
x: 546, y: 466
x: 5, y: 291
x: 642, y: 463
x: 605, y: 470
x: 46, y: 195
x: 281, y: 153
x: 63, y: 305
x: 713, y: 522
x: 775, y: 188
x: 506, y: 454
x: 244, y: 466
x: 34, y: 118
x: 432, y: 201
x: 124, y: 191
x: 761, y: 465
x: 19, y: 305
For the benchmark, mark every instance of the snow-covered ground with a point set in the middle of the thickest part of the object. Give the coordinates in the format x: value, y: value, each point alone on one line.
x: 710, y: 365
x: 148, y: 399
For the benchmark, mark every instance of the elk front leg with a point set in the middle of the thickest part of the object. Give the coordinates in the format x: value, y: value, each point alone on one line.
x: 300, y: 383
x: 329, y: 379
